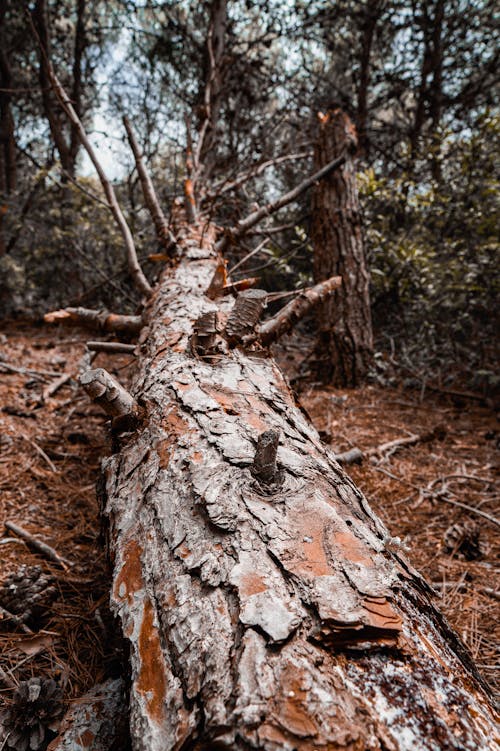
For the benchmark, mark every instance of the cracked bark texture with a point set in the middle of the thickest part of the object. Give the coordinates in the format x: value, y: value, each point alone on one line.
x: 345, y: 341
x: 263, y: 618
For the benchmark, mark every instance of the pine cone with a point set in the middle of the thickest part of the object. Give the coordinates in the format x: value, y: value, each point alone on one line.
x: 27, y: 591
x: 27, y: 723
x: 463, y: 538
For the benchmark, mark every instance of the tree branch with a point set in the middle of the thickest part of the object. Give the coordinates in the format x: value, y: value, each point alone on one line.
x: 245, y: 224
x: 222, y: 187
x: 106, y: 391
x: 135, y: 270
x: 98, y: 320
x: 290, y: 314
x: 163, y: 232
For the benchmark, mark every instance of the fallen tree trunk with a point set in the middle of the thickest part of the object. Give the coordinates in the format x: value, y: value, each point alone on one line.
x: 265, y: 605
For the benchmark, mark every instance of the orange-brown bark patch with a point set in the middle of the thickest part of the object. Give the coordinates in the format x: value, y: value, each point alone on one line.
x: 175, y: 426
x: 228, y: 400
x: 293, y: 711
x: 311, y: 560
x: 86, y: 739
x: 182, y: 551
x: 251, y: 584
x: 352, y: 548
x: 151, y: 682
x: 382, y: 615
x: 130, y: 575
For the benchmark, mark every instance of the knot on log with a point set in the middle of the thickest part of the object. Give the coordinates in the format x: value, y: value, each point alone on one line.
x: 264, y: 468
x: 245, y: 315
x: 106, y: 391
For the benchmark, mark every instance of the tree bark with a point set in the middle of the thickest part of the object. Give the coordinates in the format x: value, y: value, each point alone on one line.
x: 52, y: 111
x: 8, y: 166
x: 345, y: 340
x: 264, y: 604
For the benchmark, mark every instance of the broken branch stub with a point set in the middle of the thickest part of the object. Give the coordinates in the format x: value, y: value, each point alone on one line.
x: 264, y: 468
x: 245, y: 315
x: 106, y: 391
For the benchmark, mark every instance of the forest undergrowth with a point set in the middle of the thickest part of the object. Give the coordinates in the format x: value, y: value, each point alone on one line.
x: 50, y: 447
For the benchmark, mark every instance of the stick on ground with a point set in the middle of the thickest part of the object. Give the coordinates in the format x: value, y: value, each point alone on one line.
x: 38, y: 545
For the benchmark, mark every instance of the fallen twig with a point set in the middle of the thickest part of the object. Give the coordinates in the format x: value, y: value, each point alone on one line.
x: 7, y: 680
x: 38, y: 545
x: 356, y: 455
x: 29, y: 371
x: 42, y: 453
x: 51, y: 389
x: 471, y: 509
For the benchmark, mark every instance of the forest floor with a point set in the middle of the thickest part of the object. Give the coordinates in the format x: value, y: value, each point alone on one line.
x: 50, y: 449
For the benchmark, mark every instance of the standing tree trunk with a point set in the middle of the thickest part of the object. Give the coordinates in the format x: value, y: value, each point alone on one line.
x: 8, y: 166
x: 345, y: 341
x: 265, y: 605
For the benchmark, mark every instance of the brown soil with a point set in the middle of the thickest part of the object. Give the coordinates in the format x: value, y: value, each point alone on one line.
x: 49, y: 458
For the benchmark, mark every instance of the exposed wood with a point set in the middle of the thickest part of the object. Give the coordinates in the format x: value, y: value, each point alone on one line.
x: 38, y: 545
x: 257, y: 620
x: 99, y: 320
x: 345, y: 341
x: 240, y: 285
x: 112, y: 347
x: 95, y: 721
x: 164, y: 234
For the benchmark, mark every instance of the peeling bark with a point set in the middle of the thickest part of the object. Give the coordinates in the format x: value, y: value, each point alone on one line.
x: 257, y: 619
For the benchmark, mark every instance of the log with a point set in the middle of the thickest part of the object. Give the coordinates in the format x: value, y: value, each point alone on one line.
x: 263, y: 604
